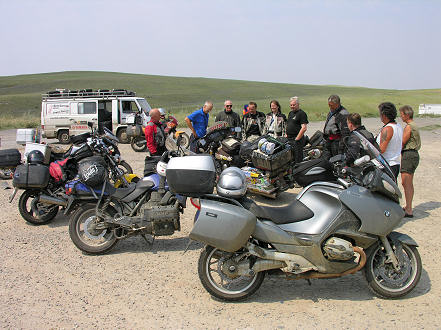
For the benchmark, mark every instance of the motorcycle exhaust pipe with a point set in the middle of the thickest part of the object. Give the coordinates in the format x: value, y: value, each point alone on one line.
x: 52, y: 200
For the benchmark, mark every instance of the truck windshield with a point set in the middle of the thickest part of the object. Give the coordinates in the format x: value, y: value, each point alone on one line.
x: 144, y: 105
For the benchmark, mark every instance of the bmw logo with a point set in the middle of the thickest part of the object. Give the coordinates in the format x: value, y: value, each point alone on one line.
x: 387, y: 213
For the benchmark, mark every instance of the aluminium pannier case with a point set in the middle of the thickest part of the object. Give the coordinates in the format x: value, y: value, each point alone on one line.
x: 224, y: 226
x: 191, y: 175
x: 10, y: 157
x: 272, y: 162
x: 31, y: 176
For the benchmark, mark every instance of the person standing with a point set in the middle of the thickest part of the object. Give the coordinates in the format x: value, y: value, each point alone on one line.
x: 353, y: 149
x: 253, y: 123
x: 229, y: 116
x: 275, y: 121
x: 296, y: 126
x: 336, y: 126
x: 198, y: 122
x: 410, y: 157
x: 154, y: 134
x: 390, y: 138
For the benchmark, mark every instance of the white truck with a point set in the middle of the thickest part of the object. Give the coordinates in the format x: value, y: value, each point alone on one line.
x: 65, y: 113
x: 426, y: 109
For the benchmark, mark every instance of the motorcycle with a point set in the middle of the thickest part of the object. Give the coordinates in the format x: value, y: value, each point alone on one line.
x: 330, y: 230
x: 143, y: 208
x: 44, y: 185
x: 136, y: 132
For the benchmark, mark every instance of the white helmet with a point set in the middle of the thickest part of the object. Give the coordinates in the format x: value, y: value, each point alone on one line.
x: 162, y: 111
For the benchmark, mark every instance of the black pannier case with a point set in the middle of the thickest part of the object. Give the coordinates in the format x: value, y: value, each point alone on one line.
x: 10, y: 157
x: 301, y: 169
x: 31, y: 176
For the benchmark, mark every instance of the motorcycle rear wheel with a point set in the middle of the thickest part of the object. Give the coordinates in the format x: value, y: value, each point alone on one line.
x: 46, y: 212
x: 138, y: 144
x: 85, y: 236
x: 184, y: 140
x: 384, y: 281
x: 221, y: 285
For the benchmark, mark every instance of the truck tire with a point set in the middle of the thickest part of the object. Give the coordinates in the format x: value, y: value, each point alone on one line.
x: 122, y: 136
x: 63, y: 136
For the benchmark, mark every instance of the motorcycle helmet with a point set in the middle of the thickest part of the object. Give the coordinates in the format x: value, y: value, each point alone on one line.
x: 161, y: 168
x: 162, y: 112
x: 35, y: 157
x: 232, y: 183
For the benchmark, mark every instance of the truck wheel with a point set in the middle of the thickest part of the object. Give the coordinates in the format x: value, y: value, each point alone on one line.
x: 122, y: 135
x: 63, y: 137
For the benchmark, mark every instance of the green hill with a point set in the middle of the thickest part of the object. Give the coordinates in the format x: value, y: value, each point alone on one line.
x: 20, y: 96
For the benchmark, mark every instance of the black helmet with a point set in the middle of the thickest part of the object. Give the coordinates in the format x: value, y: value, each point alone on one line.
x: 35, y: 157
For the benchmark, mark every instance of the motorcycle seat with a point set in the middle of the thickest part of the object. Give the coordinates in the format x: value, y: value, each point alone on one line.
x: 296, y: 211
x: 120, y: 193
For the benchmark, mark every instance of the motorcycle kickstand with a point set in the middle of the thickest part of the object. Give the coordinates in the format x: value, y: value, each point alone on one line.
x: 309, y: 281
x: 188, y: 245
x: 148, y: 242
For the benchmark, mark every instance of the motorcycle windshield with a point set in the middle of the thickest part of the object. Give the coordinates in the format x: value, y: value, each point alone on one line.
x: 374, y: 153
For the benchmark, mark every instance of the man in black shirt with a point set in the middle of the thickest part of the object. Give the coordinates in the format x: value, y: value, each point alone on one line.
x: 253, y: 123
x: 228, y: 115
x: 296, y: 127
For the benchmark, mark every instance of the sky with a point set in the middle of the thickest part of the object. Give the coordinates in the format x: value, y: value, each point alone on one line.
x: 380, y: 44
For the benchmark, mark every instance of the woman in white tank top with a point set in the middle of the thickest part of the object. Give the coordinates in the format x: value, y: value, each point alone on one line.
x: 391, y: 136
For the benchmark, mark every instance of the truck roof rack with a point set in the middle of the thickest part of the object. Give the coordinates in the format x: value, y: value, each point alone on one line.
x: 85, y: 93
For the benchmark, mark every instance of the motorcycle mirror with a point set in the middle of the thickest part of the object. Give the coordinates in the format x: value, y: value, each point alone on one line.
x: 362, y: 160
x: 90, y: 124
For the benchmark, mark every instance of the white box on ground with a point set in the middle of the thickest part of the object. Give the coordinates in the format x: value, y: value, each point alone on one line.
x: 44, y: 148
x: 25, y: 135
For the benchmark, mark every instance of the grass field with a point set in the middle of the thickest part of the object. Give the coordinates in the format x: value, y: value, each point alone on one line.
x: 20, y: 96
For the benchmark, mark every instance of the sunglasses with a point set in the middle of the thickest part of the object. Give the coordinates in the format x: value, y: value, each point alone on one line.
x: 228, y: 106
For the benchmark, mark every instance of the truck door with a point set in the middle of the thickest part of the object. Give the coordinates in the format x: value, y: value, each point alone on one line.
x: 86, y: 111
x: 128, y: 107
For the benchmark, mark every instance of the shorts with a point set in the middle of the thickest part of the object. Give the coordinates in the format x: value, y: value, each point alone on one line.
x: 409, y: 161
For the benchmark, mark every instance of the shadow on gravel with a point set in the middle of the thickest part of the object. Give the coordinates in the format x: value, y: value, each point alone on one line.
x: 351, y: 288
x: 422, y: 211
x: 137, y: 244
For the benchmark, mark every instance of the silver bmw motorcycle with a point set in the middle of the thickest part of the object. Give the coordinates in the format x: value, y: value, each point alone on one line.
x: 329, y: 230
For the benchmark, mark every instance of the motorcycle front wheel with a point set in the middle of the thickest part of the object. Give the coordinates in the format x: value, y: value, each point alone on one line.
x: 125, y: 167
x: 216, y: 272
x: 88, y: 233
x: 387, y: 282
x: 138, y: 144
x: 34, y: 212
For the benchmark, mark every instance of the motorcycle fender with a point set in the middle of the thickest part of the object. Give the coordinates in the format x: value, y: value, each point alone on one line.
x: 403, y: 238
x: 223, y: 226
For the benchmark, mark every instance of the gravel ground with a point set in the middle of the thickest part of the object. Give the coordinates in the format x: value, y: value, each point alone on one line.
x: 46, y: 282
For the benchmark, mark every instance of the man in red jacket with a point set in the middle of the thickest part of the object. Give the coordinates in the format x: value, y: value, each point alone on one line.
x: 154, y: 134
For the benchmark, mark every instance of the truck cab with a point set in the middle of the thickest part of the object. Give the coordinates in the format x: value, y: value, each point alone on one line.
x: 65, y: 113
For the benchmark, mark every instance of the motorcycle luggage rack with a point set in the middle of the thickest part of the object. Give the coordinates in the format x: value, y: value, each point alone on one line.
x: 86, y: 93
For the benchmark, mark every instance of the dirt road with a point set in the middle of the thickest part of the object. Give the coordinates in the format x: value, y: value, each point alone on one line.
x: 46, y: 282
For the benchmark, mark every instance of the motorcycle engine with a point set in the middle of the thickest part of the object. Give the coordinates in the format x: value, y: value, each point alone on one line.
x: 338, y: 249
x: 161, y: 219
